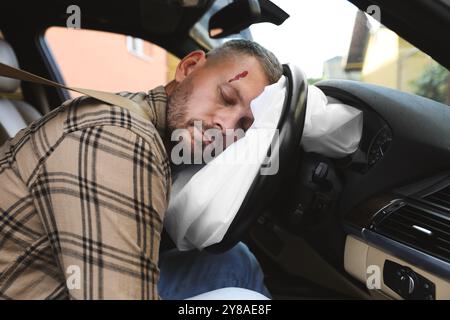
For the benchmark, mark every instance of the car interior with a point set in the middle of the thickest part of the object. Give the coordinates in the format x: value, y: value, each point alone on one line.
x: 321, y: 228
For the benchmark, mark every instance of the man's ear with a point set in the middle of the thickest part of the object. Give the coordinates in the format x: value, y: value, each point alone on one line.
x: 189, y: 63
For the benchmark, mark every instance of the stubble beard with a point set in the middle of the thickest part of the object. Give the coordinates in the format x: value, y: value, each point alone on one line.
x: 177, y: 105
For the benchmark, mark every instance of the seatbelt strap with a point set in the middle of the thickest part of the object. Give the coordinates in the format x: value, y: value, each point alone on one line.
x: 107, y: 97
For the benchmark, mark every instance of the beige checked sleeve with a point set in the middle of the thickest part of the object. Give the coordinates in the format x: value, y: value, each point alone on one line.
x: 101, y: 195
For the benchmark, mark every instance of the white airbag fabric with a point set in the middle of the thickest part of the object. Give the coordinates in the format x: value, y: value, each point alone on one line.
x: 204, y: 201
x: 201, y: 210
x: 331, y: 129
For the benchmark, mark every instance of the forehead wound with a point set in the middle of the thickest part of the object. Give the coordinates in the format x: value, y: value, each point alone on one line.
x: 239, y: 76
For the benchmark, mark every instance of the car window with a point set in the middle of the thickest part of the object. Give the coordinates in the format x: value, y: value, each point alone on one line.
x: 334, y: 39
x: 108, y: 61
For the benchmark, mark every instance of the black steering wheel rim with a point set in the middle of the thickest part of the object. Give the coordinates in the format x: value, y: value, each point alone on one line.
x: 265, y: 188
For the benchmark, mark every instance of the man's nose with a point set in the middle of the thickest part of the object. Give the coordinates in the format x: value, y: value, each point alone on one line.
x: 233, y: 118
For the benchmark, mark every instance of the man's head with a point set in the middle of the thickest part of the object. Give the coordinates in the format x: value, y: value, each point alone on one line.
x: 217, y: 88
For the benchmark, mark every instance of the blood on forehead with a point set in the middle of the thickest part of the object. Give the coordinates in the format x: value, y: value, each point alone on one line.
x: 239, y: 76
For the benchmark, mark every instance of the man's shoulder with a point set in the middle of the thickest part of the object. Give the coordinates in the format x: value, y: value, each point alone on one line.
x: 85, y: 112
x: 34, y: 144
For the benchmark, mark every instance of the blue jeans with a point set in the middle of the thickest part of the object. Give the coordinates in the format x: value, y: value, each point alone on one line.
x: 189, y: 273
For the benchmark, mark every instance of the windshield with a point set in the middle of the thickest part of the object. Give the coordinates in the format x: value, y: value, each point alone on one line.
x: 334, y: 39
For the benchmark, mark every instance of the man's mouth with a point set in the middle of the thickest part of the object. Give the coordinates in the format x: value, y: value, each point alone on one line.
x: 199, y: 135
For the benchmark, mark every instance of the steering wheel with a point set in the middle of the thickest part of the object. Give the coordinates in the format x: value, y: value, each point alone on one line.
x: 285, y: 150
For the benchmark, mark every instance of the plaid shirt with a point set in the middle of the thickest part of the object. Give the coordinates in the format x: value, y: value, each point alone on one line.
x: 83, y: 192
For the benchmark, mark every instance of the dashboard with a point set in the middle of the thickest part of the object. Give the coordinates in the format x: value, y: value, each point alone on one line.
x: 378, y: 206
x: 405, y: 138
x: 379, y: 145
x: 395, y: 199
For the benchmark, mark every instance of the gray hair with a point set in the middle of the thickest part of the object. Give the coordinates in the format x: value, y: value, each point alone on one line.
x: 269, y: 62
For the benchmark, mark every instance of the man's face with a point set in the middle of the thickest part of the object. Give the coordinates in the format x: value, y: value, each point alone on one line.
x: 217, y: 95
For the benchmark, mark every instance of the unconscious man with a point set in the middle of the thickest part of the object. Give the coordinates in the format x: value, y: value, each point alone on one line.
x: 84, y: 190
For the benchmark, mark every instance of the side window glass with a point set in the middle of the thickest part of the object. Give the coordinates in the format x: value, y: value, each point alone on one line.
x: 108, y: 61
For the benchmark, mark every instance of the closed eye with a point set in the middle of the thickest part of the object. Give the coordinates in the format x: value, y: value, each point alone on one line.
x: 226, y: 98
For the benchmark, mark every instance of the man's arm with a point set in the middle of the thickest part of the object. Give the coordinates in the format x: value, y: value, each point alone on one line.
x: 102, y: 195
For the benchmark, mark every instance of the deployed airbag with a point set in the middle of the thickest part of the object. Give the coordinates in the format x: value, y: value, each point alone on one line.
x: 205, y: 200
x: 332, y: 129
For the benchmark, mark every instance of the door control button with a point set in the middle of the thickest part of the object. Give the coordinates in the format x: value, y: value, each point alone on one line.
x: 407, y: 283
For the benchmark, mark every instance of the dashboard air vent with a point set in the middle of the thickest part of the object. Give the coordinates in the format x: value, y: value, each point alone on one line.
x: 423, y: 229
x: 440, y: 198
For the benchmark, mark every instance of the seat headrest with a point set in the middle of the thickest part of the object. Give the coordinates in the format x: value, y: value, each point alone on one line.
x: 8, y: 57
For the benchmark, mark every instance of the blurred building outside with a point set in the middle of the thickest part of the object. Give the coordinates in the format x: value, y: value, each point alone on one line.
x: 108, y: 61
x: 379, y: 56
